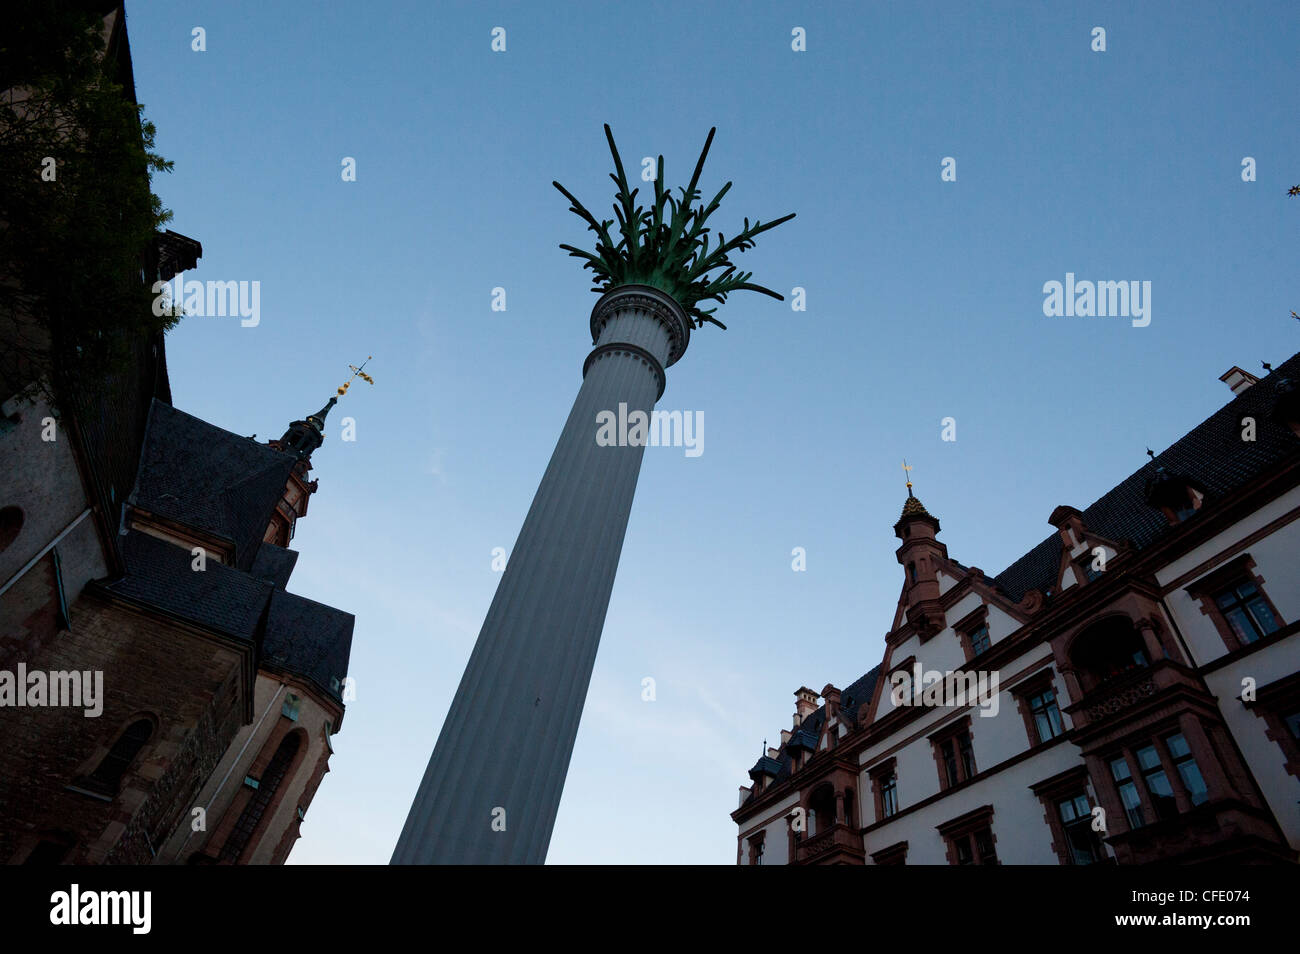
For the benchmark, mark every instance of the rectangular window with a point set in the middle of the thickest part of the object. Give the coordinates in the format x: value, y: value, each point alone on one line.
x: 1158, y: 786
x: 967, y: 754
x: 290, y: 707
x: 1188, y: 770
x: 970, y: 838
x: 975, y: 848
x: 1246, y: 611
x: 948, y: 751
x: 1128, y: 792
x: 1076, y: 820
x: 964, y: 854
x: 889, y: 796
x: 953, y: 755
x: 984, y: 846
x: 1046, y: 715
x: 979, y: 639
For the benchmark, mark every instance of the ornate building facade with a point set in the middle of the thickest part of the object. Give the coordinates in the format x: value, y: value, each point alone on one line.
x: 1126, y: 692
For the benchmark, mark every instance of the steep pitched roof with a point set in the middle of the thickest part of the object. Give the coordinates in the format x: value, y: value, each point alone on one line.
x: 219, y: 597
x: 274, y: 564
x: 1212, y: 454
x: 310, y: 639
x: 210, y: 479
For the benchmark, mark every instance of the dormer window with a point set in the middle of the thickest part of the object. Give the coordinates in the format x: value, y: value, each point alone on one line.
x: 1087, y: 569
x: 1192, y: 504
x: 1176, y: 496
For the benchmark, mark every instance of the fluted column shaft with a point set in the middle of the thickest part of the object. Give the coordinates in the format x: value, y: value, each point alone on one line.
x: 505, y: 746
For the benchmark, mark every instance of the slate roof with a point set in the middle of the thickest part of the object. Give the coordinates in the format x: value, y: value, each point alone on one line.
x: 1211, y: 454
x: 207, y: 478
x: 856, y: 695
x: 310, y: 639
x: 220, y: 597
x: 274, y: 564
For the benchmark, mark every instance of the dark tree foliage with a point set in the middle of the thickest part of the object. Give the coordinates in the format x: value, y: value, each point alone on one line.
x: 667, y: 245
x: 75, y: 248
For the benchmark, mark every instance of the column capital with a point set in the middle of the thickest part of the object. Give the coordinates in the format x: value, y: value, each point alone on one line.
x: 656, y: 303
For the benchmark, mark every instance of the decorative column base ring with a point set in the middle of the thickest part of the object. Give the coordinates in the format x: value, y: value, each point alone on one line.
x: 621, y: 347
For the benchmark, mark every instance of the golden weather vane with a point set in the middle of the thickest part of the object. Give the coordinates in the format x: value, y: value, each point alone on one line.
x: 907, y: 472
x: 357, y: 373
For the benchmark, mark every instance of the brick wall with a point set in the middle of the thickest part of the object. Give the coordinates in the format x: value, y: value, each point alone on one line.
x: 191, y: 686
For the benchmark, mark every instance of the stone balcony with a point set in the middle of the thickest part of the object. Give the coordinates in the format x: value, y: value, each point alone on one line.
x: 837, y: 845
x: 1129, y: 693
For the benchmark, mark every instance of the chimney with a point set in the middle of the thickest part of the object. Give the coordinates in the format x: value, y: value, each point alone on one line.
x: 1237, y: 379
x: 832, y: 697
x: 805, y: 704
x: 785, y: 736
x: 772, y: 753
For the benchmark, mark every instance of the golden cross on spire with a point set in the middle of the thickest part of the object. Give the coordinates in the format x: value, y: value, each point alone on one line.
x: 357, y: 373
x: 907, y: 472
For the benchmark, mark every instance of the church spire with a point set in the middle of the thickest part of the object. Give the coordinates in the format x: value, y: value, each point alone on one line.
x: 306, y: 435
x: 300, y: 440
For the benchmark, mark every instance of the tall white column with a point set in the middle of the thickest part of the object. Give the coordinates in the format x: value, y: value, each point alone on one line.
x: 504, y: 749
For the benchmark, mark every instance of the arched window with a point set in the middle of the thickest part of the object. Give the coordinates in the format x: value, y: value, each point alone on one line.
x: 262, y: 798
x: 107, y: 777
x: 1107, y: 649
x: 821, y: 806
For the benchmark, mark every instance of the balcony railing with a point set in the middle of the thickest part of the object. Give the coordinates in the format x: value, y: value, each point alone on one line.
x: 840, y: 837
x: 1127, y: 690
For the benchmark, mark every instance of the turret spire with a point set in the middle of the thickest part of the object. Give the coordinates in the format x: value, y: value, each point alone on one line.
x: 305, y: 436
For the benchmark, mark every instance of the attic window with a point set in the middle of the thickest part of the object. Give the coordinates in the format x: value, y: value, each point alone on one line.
x: 1178, y: 497
x: 1086, y: 567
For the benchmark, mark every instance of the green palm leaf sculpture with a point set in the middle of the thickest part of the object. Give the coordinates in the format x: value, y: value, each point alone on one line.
x: 667, y: 246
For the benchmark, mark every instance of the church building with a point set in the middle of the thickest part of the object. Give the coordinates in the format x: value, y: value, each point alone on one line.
x: 1126, y: 692
x: 215, y: 690
x: 164, y: 697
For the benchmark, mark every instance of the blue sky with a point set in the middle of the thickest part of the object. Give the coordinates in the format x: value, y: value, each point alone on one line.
x: 924, y: 300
